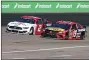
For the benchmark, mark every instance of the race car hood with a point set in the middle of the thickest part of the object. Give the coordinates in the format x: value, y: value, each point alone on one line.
x: 20, y: 24
x: 55, y: 29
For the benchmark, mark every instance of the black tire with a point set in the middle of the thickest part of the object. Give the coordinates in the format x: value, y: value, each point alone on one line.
x: 67, y: 36
x: 82, y: 36
x: 43, y: 35
x: 7, y: 31
x: 31, y: 33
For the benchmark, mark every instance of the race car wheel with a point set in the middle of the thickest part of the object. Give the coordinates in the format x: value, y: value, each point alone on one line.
x: 82, y: 35
x: 67, y: 36
x: 43, y: 35
x: 31, y: 31
x: 7, y: 31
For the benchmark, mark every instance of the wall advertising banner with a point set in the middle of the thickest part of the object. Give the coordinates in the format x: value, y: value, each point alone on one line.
x: 44, y: 6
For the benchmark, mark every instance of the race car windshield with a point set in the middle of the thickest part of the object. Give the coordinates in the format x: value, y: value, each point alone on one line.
x: 63, y: 26
x: 26, y: 20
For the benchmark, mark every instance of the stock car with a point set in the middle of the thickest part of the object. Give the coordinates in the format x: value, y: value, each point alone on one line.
x: 27, y: 25
x: 65, y: 30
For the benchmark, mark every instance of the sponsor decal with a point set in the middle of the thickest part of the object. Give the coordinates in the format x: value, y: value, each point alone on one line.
x: 46, y: 6
x: 22, y: 6
x: 43, y: 5
x: 79, y: 5
x: 64, y: 5
x: 5, y: 6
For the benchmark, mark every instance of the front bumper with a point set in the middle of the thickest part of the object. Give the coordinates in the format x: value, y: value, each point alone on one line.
x: 55, y: 34
x: 16, y: 31
x: 49, y: 33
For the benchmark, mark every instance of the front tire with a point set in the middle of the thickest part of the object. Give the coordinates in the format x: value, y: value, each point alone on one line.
x: 7, y: 31
x: 31, y: 31
x: 67, y: 36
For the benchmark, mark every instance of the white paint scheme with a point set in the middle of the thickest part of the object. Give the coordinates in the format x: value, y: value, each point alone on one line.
x: 21, y: 24
x: 80, y: 30
x: 48, y: 24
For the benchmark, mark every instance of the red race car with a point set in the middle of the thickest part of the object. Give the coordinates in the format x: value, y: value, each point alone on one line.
x: 27, y: 25
x: 65, y: 30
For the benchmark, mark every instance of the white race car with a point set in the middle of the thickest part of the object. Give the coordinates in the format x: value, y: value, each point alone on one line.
x: 27, y: 25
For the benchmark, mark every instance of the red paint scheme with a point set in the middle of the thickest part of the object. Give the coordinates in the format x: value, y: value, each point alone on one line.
x: 39, y: 29
x: 72, y: 33
x: 39, y: 26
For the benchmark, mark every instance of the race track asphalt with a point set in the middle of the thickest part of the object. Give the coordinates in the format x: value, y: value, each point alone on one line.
x: 16, y: 46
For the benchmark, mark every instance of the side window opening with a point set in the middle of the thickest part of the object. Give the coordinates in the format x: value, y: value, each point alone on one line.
x: 40, y: 21
x: 31, y: 21
x: 74, y: 26
x: 44, y: 21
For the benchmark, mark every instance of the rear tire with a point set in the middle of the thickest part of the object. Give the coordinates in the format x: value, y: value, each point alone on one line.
x: 82, y: 36
x: 7, y: 31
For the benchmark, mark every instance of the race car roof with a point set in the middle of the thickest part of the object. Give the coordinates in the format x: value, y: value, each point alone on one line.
x: 30, y: 17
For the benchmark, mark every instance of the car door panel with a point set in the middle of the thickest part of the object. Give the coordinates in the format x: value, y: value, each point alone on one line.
x: 39, y: 27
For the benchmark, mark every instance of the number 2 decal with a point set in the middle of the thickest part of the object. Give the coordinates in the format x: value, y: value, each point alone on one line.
x: 74, y: 33
x: 39, y: 28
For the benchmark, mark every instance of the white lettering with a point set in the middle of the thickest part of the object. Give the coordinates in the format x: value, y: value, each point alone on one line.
x: 43, y: 5
x: 82, y: 5
x: 64, y: 5
x: 22, y: 6
x: 6, y: 6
